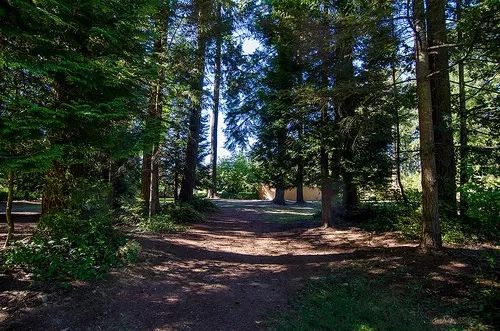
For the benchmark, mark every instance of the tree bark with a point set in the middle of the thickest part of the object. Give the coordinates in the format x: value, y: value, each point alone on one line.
x: 279, y: 197
x: 55, y: 189
x: 146, y: 178
x: 441, y: 106
x: 189, y: 175
x: 462, y: 113
x: 154, y: 198
x: 176, y: 186
x: 300, y: 181
x: 326, y: 179
x: 150, y: 167
x: 326, y: 190
x: 8, y: 209
x: 346, y: 106
x: 431, y: 230
x: 212, y: 192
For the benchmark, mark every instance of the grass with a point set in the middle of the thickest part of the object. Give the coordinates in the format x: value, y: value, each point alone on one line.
x: 350, y: 302
x: 289, y: 213
x: 402, y: 292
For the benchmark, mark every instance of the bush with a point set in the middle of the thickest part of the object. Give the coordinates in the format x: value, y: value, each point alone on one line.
x: 391, y: 216
x: 129, y: 253
x: 183, y: 213
x: 79, y: 242
x: 173, y: 219
x: 162, y: 223
x: 131, y: 212
x: 66, y: 246
x: 203, y: 205
x: 483, y: 202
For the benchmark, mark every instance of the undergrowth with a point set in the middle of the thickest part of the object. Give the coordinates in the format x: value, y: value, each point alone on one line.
x: 79, y: 242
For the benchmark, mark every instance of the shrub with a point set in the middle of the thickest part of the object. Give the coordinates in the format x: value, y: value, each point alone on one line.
x: 131, y: 212
x: 237, y: 178
x: 79, y: 242
x: 483, y: 202
x: 183, y: 213
x: 66, y: 246
x: 391, y: 216
x: 203, y: 205
x: 162, y: 223
x: 129, y: 253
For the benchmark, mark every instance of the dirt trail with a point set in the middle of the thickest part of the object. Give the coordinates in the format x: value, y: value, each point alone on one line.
x: 229, y: 273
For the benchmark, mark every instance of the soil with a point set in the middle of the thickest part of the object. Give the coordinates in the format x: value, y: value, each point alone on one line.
x: 233, y: 272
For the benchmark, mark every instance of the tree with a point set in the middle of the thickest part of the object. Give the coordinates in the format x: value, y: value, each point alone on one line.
x: 212, y: 192
x: 431, y: 236
x: 201, y: 9
x: 441, y: 106
x: 154, y: 127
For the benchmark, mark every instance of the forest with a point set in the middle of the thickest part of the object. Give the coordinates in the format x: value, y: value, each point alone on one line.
x: 140, y: 140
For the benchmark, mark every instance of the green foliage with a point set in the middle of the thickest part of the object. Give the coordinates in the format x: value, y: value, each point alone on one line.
x: 237, y: 178
x: 132, y: 211
x: 183, y: 213
x: 390, y: 216
x: 129, y: 252
x: 79, y: 242
x: 203, y: 205
x: 483, y: 209
x: 174, y: 217
x: 68, y: 246
x: 352, y: 303
x: 162, y: 223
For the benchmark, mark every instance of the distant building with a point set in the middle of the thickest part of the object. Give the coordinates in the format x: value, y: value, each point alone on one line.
x: 310, y: 193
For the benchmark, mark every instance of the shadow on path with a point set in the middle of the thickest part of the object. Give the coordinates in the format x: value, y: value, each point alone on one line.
x: 232, y: 271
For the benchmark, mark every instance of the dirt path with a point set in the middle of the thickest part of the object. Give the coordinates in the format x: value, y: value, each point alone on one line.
x: 230, y: 273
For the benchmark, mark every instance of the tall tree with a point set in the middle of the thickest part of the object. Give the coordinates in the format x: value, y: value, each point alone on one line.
x: 441, y: 105
x: 462, y: 115
x: 212, y: 192
x: 150, y: 163
x: 431, y: 235
x: 201, y: 10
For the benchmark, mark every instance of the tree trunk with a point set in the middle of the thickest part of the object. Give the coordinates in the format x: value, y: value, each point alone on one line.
x: 154, y: 199
x: 397, y: 138
x: 55, y: 189
x: 189, y: 175
x: 176, y: 186
x: 146, y: 178
x: 212, y: 192
x: 346, y: 106
x: 431, y: 234
x: 300, y: 181
x: 326, y: 190
x: 350, y: 196
x: 279, y: 197
x: 150, y: 175
x: 8, y: 209
x: 441, y: 107
x: 462, y: 113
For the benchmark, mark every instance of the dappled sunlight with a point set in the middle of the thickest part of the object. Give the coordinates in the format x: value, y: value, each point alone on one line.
x: 241, y: 262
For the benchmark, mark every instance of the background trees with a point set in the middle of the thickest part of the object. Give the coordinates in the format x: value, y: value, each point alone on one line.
x: 118, y: 95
